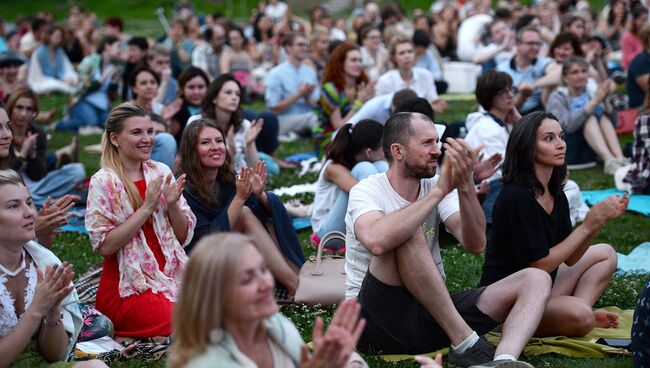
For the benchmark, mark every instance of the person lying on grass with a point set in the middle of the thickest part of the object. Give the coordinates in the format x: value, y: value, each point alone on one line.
x: 39, y: 313
x: 224, y: 201
x: 532, y: 228
x: 226, y: 315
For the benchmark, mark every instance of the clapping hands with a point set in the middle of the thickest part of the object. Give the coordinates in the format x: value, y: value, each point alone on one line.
x: 333, y: 348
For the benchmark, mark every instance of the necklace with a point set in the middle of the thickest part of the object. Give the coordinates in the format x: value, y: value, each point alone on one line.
x: 17, y: 270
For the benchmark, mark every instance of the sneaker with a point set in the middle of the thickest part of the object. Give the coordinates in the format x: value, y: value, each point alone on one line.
x: 612, y: 165
x: 504, y: 364
x: 480, y: 353
x: 582, y: 166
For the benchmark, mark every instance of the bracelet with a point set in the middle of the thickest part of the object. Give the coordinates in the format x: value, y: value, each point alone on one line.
x: 52, y: 324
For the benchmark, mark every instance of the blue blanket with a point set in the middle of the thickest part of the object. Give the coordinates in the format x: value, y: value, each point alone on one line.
x: 639, y: 203
x: 638, y: 261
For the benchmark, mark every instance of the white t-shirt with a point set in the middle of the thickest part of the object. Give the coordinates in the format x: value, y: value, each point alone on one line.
x: 323, y: 199
x: 487, y: 132
x: 469, y: 34
x: 422, y: 83
x: 376, y: 194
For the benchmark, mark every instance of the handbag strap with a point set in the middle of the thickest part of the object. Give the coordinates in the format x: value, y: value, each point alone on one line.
x: 318, y: 270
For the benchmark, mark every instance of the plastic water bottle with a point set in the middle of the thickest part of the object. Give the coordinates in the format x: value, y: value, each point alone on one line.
x: 462, y: 132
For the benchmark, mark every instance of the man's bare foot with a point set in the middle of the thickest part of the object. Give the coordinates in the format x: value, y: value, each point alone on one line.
x: 605, y: 319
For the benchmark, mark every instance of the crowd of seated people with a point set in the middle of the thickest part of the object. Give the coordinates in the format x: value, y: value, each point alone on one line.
x: 182, y: 159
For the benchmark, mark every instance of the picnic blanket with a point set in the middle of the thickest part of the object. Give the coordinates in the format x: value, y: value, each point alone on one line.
x: 638, y: 261
x: 575, y: 347
x: 639, y: 203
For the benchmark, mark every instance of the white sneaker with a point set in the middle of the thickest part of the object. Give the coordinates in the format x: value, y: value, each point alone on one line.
x: 90, y: 130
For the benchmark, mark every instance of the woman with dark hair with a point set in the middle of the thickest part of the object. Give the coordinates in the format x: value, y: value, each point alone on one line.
x: 46, y: 174
x: 238, y: 60
x: 490, y: 128
x: 531, y: 227
x: 223, y: 201
x: 374, y: 55
x: 96, y: 74
x: 192, y: 84
x: 354, y: 154
x: 265, y: 51
x: 222, y: 103
x: 345, y: 87
x: 580, y: 111
x: 631, y: 43
x: 138, y: 221
x: 144, y: 87
x: 50, y: 69
x: 144, y: 84
x: 613, y: 24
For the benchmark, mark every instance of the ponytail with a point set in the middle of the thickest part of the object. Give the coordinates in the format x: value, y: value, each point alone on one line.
x: 351, y: 139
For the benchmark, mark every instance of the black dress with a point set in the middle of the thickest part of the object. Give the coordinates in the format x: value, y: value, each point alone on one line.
x: 522, y: 232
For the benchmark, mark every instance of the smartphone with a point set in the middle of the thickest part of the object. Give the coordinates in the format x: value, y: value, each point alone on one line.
x: 616, y: 342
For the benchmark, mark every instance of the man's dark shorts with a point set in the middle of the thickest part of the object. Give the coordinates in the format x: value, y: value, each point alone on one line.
x: 396, y: 322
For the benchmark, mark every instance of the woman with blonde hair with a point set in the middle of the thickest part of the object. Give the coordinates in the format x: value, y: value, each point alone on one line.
x: 40, y: 318
x: 226, y: 315
x: 138, y: 221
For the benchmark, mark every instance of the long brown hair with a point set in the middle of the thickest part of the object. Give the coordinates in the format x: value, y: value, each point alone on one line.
x: 334, y: 70
x: 23, y: 92
x: 110, y: 155
x: 209, y: 106
x: 190, y: 164
x: 208, y: 280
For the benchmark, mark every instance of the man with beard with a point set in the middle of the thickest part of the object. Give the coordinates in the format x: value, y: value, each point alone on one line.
x: 393, y: 258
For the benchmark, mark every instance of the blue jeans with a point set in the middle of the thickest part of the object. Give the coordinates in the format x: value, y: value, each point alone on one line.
x: 57, y: 183
x: 164, y: 149
x: 82, y: 113
x: 335, y: 219
x: 490, y: 198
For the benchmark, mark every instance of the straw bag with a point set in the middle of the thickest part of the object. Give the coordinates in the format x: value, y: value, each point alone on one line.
x: 321, y: 279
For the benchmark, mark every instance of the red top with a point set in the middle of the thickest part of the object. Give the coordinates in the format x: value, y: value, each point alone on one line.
x: 143, y: 315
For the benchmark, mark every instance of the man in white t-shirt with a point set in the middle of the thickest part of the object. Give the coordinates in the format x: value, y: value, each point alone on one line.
x: 393, y: 258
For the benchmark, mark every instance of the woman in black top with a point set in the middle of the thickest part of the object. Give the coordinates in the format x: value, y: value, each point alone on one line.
x: 531, y: 228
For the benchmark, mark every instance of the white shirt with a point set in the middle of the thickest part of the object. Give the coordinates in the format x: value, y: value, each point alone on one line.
x: 469, y: 34
x: 376, y: 108
x: 323, y: 199
x: 484, y: 130
x: 376, y: 194
x: 422, y: 83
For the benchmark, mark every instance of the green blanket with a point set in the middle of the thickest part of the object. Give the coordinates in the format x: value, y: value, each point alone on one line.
x: 576, y: 347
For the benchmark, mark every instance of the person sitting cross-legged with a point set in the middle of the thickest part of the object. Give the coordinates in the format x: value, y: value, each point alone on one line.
x: 393, y: 258
x: 531, y: 227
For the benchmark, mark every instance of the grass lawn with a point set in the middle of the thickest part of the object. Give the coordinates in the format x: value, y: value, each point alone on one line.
x: 463, y: 269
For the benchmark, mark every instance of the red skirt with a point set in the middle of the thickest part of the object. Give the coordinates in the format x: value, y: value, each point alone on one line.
x: 143, y: 315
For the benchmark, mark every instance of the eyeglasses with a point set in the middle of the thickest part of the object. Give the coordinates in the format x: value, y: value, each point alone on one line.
x: 512, y: 91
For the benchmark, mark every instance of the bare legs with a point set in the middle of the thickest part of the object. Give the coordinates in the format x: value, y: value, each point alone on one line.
x: 249, y: 225
x: 601, y: 137
x: 519, y: 301
x: 421, y: 277
x: 576, y: 289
